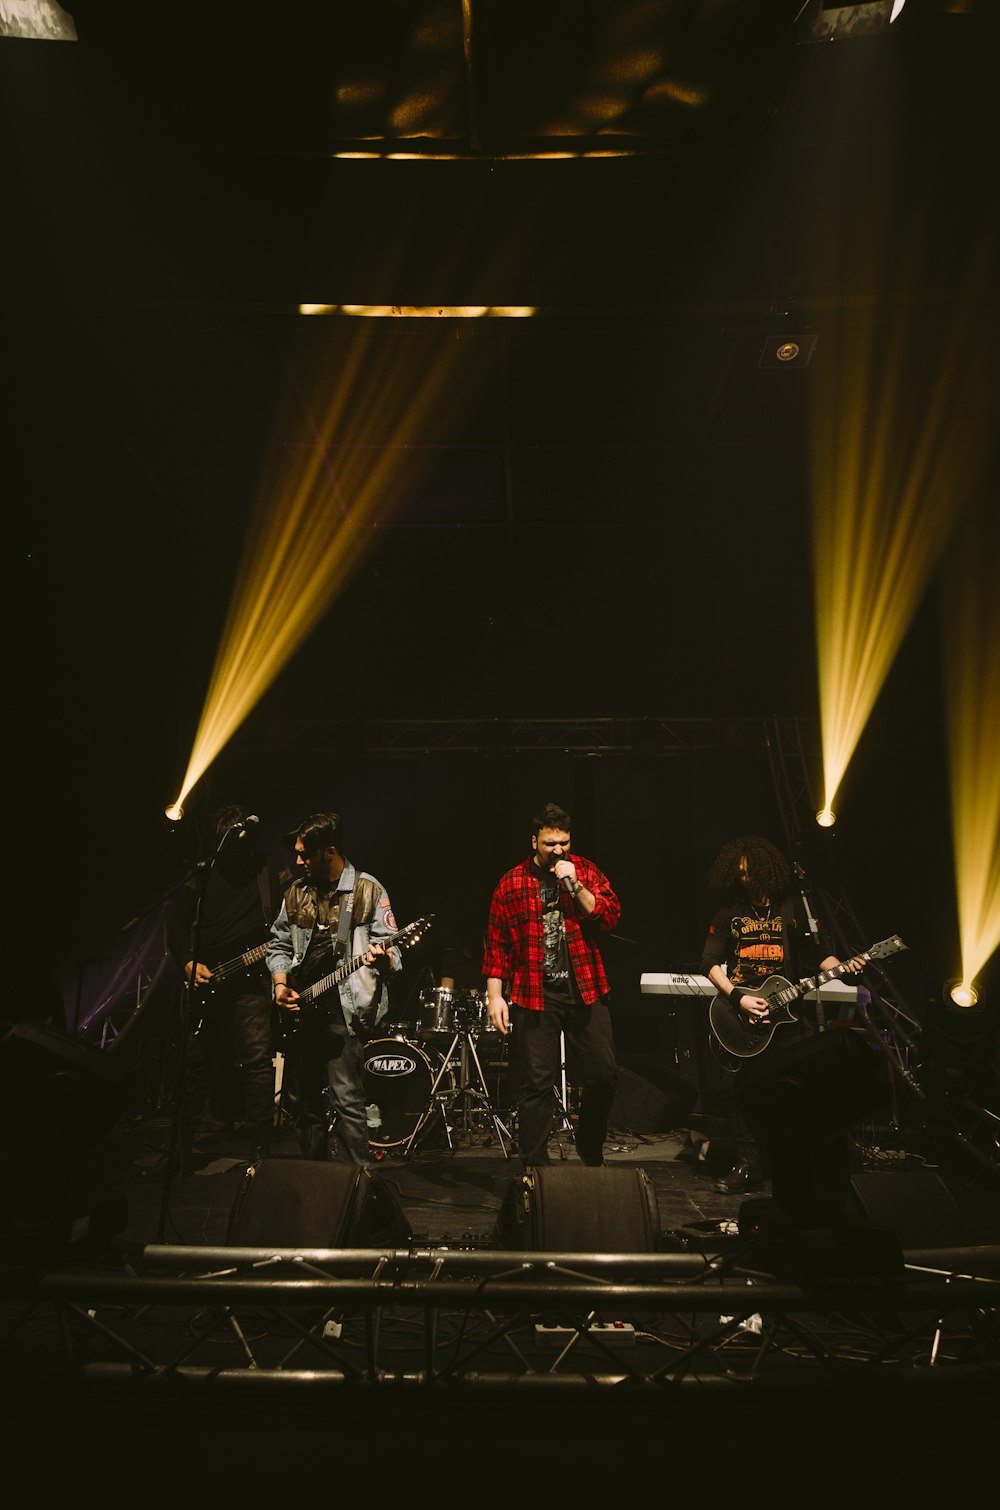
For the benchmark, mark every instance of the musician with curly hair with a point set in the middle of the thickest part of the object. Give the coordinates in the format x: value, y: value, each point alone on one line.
x: 760, y: 930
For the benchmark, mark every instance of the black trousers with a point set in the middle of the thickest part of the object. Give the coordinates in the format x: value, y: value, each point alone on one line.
x: 235, y: 1020
x: 591, y: 1051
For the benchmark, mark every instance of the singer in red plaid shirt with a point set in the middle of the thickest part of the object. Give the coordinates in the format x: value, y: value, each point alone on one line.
x: 545, y: 977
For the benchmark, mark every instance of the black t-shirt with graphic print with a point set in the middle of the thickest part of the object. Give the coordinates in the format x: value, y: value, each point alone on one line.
x: 558, y: 981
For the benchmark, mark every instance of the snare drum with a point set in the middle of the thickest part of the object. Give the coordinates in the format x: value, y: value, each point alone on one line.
x: 398, y: 1078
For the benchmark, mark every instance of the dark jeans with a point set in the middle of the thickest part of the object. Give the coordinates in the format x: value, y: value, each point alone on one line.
x: 234, y: 1022
x: 324, y: 1092
x: 590, y: 1047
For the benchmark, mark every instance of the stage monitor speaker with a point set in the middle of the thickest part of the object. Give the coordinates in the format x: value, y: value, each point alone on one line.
x: 915, y: 1204
x: 61, y: 1094
x: 642, y: 1105
x: 573, y: 1208
x: 813, y: 1087
x: 308, y: 1203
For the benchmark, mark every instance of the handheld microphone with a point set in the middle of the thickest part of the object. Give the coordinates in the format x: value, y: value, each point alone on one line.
x: 570, y: 885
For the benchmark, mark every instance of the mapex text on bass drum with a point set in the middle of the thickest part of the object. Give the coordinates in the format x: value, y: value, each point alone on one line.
x: 398, y: 1079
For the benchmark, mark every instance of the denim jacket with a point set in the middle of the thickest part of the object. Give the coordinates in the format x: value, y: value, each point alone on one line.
x: 364, y: 995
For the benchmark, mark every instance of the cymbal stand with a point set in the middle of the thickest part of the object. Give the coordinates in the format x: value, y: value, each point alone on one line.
x: 561, y: 1091
x: 473, y: 1094
x: 563, y: 1123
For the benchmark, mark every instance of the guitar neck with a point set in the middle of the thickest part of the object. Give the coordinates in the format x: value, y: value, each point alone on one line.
x: 813, y: 982
x: 248, y: 957
x: 404, y: 938
x: 335, y: 977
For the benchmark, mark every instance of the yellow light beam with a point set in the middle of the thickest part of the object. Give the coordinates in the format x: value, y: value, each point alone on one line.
x: 313, y: 522
x: 972, y: 693
x: 901, y: 433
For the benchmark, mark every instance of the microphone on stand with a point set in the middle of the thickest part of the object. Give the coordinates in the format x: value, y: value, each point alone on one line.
x: 239, y: 830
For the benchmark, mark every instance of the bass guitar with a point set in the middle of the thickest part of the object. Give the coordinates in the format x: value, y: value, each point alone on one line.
x: 744, y: 1036
x: 309, y: 1001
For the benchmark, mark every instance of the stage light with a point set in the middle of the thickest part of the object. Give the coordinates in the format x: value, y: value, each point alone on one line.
x: 174, y: 812
x: 422, y: 311
x: 961, y: 995
x: 37, y: 20
x: 826, y: 817
x: 787, y: 350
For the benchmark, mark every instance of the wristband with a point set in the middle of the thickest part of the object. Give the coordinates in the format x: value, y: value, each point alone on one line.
x: 736, y: 995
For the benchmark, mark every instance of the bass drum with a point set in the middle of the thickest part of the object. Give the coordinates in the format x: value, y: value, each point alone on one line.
x: 398, y: 1078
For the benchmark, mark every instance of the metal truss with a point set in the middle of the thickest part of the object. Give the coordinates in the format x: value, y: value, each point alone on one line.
x: 640, y: 735
x: 321, y: 1318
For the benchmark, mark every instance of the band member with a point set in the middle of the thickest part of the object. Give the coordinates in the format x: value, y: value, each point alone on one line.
x: 331, y: 913
x: 760, y: 929
x: 230, y: 1015
x: 545, y: 976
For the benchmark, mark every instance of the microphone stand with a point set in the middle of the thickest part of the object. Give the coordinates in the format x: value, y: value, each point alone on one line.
x: 201, y: 870
x: 813, y: 929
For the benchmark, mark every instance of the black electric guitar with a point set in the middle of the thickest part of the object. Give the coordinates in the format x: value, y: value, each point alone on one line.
x: 245, y: 962
x: 310, y: 1005
x: 744, y: 1036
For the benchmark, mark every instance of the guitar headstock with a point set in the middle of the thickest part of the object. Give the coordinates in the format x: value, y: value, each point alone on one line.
x: 887, y: 946
x: 413, y: 932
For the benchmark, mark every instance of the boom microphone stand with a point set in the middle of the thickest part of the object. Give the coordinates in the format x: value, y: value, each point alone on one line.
x: 200, y: 871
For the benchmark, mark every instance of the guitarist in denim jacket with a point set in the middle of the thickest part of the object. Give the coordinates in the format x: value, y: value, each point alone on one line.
x: 330, y: 913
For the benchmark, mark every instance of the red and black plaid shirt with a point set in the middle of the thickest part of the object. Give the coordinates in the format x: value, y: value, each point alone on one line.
x: 515, y: 949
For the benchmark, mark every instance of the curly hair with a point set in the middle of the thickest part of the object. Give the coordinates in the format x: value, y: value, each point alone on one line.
x: 768, y: 869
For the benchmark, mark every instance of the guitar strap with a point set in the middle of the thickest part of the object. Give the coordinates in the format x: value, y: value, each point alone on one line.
x: 344, y: 924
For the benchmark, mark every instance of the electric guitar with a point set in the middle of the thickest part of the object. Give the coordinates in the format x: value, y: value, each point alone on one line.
x: 245, y: 961
x: 309, y: 996
x: 744, y: 1036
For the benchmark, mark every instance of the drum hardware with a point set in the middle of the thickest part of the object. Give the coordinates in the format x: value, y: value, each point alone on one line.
x: 561, y: 1091
x: 470, y: 1096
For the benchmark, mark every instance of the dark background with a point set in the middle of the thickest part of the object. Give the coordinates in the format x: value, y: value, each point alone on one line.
x: 610, y: 520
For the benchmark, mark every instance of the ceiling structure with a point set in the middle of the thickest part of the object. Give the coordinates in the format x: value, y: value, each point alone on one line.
x: 673, y: 187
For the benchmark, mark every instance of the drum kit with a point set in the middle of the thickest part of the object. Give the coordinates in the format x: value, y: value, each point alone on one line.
x: 438, y: 1081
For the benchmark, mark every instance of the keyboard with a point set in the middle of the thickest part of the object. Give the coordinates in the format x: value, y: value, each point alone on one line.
x: 680, y: 983
x: 676, y: 983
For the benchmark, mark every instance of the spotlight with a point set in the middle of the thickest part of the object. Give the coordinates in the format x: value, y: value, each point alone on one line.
x: 174, y: 812
x: 787, y: 351
x: 961, y: 996
x: 826, y: 817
